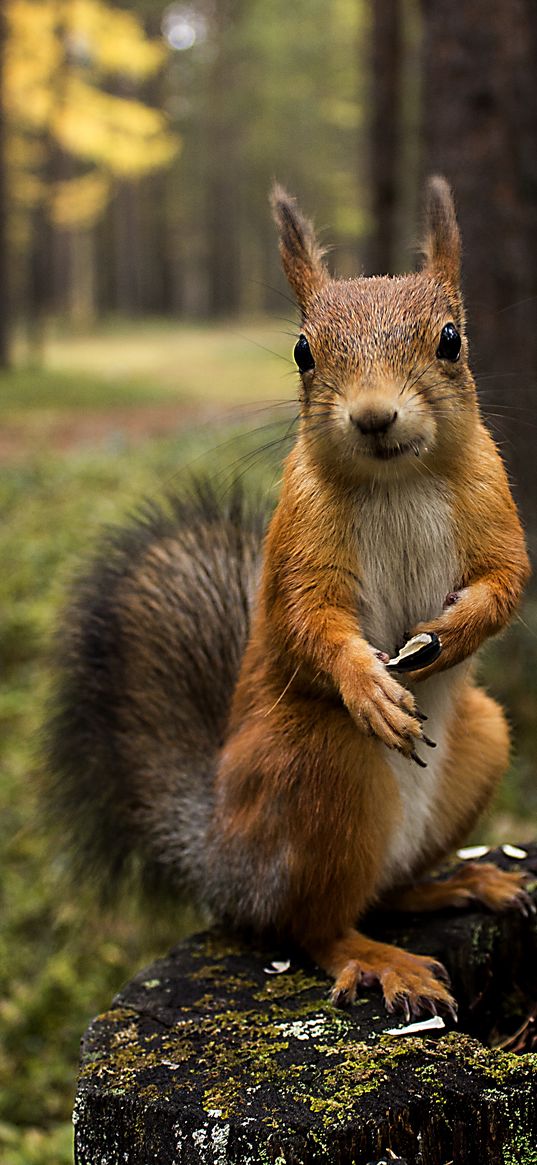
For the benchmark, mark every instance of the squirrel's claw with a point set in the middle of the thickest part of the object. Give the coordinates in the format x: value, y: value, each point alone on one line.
x: 414, y: 1007
x: 440, y: 973
x: 523, y: 902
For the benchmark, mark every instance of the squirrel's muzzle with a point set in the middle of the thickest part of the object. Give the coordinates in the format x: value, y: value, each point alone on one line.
x: 373, y: 420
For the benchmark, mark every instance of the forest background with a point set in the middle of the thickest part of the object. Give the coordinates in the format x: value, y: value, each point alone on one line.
x: 145, y: 327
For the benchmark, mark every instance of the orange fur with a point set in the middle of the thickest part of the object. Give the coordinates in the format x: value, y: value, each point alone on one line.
x: 305, y: 772
x: 474, y: 882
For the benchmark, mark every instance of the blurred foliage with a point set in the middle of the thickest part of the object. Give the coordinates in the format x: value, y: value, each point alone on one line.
x: 59, y: 964
x: 70, y: 69
x: 508, y: 670
x: 139, y: 164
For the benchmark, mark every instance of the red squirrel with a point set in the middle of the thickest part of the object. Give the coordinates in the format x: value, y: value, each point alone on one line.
x: 229, y: 717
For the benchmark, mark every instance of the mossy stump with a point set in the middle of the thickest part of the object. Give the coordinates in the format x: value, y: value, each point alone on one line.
x: 207, y: 1059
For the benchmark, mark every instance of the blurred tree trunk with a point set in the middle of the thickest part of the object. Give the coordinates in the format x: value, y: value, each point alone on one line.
x: 4, y: 257
x: 40, y: 265
x: 480, y: 130
x: 81, y: 303
x: 43, y: 288
x: 386, y: 37
x: 223, y: 156
x: 128, y: 262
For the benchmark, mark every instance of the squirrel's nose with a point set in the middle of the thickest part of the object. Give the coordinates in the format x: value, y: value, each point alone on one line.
x: 373, y: 420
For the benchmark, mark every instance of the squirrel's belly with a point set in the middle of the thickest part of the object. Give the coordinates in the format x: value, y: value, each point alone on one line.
x: 408, y: 563
x: 407, y: 560
x: 419, y: 822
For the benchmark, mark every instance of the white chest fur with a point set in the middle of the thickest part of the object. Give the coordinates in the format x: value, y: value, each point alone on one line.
x: 407, y: 564
x: 407, y: 558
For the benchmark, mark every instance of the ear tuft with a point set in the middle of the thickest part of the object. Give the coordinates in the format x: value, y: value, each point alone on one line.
x: 442, y: 245
x: 299, y: 249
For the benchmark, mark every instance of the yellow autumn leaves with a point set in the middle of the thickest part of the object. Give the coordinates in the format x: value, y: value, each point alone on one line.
x: 72, y: 70
x: 120, y: 134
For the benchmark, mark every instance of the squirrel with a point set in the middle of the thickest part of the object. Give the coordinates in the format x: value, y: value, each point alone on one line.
x: 229, y: 719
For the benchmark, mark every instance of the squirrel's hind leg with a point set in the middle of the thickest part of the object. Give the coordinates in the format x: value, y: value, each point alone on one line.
x: 413, y: 984
x: 471, y: 883
x: 477, y: 758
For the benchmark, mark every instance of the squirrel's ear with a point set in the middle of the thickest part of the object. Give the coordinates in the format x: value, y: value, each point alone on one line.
x: 442, y: 243
x: 300, y: 252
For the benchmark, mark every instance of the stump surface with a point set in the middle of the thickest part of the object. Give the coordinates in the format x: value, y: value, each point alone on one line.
x: 206, y: 1058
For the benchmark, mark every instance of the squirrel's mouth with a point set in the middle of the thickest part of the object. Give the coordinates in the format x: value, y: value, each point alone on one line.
x: 385, y: 452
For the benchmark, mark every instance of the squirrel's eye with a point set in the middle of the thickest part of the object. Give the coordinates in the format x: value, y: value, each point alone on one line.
x: 449, y: 347
x: 303, y: 356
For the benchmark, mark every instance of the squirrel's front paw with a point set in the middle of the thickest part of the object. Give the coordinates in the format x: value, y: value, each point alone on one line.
x: 382, y: 707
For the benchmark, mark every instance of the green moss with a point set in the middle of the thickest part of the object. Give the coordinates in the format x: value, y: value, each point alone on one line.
x: 218, y: 946
x: 307, y: 1052
x: 483, y: 940
x: 522, y: 1152
x: 288, y: 984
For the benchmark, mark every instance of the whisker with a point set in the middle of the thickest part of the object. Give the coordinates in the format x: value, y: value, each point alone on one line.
x: 241, y: 434
x: 518, y: 303
x: 417, y: 378
x: 248, y: 460
x: 276, y: 290
x: 263, y: 347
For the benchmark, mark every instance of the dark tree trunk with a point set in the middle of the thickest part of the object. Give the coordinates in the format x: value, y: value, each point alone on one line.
x: 480, y: 130
x: 4, y: 258
x: 223, y: 154
x: 44, y: 293
x: 128, y: 262
x: 386, y: 39
x: 38, y: 297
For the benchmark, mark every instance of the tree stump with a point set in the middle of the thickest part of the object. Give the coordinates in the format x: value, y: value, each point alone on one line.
x: 206, y: 1058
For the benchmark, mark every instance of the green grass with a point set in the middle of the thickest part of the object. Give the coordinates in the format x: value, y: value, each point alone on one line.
x: 59, y: 965
x: 125, y: 364
x: 56, y: 968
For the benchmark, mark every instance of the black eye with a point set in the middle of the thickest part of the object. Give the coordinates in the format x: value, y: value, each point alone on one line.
x: 303, y: 356
x: 449, y: 347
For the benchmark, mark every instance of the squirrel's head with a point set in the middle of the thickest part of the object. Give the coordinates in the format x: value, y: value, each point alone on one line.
x: 385, y: 384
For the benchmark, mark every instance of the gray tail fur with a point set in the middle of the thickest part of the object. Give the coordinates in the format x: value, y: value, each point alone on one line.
x: 147, y: 660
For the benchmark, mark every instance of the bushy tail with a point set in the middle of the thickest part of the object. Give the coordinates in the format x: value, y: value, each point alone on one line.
x: 148, y: 658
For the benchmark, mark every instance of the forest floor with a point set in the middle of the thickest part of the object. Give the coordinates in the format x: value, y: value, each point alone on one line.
x: 127, y: 383
x: 108, y: 420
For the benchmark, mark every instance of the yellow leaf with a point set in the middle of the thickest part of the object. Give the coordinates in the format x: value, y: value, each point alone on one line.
x: 79, y: 202
x: 124, y: 135
x: 59, y: 55
x: 26, y: 189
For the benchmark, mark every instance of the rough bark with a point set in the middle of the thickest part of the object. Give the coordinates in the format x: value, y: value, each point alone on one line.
x: 480, y: 130
x: 205, y: 1058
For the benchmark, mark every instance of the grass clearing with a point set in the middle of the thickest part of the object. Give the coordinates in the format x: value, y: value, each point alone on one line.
x: 125, y: 383
x: 230, y: 362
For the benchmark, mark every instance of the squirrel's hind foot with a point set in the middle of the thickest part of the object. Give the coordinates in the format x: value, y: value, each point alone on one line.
x: 471, y: 883
x: 412, y: 984
x: 497, y: 889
